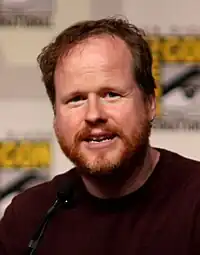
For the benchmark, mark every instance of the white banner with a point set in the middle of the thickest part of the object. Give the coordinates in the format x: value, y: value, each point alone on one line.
x: 26, y: 12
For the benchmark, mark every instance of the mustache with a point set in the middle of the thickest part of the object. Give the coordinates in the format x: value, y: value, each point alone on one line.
x: 87, y: 131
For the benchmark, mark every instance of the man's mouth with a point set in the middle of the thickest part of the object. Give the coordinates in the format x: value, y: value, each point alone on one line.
x: 100, y: 138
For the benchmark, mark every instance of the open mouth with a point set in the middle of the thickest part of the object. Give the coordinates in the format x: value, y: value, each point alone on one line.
x: 100, y: 138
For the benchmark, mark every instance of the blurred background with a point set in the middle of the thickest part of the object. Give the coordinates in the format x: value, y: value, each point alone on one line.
x: 29, y: 153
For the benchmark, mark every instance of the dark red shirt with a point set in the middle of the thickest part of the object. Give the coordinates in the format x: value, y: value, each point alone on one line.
x: 161, y: 218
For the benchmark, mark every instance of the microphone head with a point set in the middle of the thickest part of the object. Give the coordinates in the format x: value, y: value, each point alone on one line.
x: 66, y: 195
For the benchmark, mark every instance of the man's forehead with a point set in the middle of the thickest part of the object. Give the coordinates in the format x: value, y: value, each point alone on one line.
x: 96, y: 50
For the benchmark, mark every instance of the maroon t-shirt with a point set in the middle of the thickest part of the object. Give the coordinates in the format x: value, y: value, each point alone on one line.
x: 161, y: 218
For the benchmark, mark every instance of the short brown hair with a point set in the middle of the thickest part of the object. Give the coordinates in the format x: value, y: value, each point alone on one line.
x: 133, y: 37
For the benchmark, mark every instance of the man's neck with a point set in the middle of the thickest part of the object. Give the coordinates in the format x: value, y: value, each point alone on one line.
x: 104, y: 188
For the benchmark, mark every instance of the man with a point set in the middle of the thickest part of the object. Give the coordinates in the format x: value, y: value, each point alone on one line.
x: 129, y: 198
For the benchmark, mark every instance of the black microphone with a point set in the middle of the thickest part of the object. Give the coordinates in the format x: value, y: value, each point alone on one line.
x: 64, y: 200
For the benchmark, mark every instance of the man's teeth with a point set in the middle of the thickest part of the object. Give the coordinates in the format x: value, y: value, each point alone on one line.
x: 99, y: 139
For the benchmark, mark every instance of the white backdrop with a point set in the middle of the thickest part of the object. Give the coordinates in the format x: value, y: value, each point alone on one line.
x: 24, y: 105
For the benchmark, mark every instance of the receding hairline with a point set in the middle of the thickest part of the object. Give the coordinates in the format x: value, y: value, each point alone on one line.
x: 79, y: 32
x: 69, y: 49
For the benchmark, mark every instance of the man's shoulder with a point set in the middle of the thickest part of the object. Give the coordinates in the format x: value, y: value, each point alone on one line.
x: 40, y: 197
x: 180, y: 170
x: 28, y: 209
x: 179, y: 161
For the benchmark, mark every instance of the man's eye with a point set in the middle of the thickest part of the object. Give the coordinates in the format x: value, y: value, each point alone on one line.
x: 112, y: 95
x: 76, y: 99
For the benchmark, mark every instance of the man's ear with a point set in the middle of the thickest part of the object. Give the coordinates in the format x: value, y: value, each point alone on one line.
x: 151, y: 107
x: 55, y: 127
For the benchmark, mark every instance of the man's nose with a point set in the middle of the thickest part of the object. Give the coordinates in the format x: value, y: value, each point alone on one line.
x: 95, y: 111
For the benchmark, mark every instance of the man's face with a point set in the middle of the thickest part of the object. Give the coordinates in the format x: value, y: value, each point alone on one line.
x: 101, y: 117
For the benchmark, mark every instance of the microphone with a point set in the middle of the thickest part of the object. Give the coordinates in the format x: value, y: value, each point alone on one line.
x: 64, y: 199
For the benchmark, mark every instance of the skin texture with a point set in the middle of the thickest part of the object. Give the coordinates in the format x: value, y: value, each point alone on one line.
x: 97, y: 97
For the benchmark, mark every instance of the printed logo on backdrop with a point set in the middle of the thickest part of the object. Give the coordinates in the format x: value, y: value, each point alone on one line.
x: 28, y: 152
x: 25, y: 160
x: 28, y: 13
x: 176, y: 68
